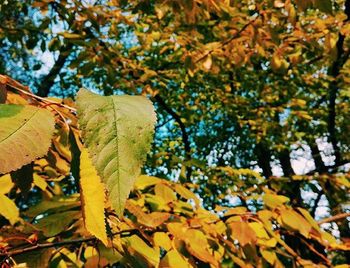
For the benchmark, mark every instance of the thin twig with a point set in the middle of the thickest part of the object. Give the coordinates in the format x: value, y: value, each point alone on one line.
x: 42, y: 99
x: 334, y: 218
x: 228, y: 40
x: 324, y: 258
x: 11, y: 253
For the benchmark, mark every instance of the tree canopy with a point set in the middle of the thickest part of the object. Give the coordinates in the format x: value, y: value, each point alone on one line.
x: 246, y: 163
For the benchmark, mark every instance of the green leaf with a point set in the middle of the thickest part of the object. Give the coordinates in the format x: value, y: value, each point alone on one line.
x: 117, y: 132
x: 324, y: 5
x: 57, y: 223
x: 27, y: 135
x: 35, y: 258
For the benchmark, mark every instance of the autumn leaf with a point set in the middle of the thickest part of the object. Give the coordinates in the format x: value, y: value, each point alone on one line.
x: 93, y: 198
x: 8, y: 209
x: 26, y: 137
x: 293, y: 220
x: 136, y: 244
x: 173, y: 259
x: 242, y: 232
x: 273, y: 200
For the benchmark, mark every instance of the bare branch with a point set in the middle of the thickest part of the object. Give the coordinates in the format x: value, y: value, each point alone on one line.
x: 334, y: 218
x: 14, y: 252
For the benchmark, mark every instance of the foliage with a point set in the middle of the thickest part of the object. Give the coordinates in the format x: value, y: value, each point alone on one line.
x: 164, y: 224
x: 245, y: 93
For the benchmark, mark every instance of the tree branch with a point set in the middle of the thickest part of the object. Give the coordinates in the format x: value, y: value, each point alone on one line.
x: 334, y: 71
x: 314, y: 207
x: 14, y: 252
x: 228, y: 40
x: 47, y: 82
x: 334, y: 218
x: 329, y: 169
x: 182, y: 126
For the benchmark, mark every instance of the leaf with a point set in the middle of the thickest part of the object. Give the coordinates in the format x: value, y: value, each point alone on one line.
x: 117, y: 132
x: 242, y: 232
x: 295, y: 221
x: 39, y: 182
x: 259, y: 229
x: 61, y: 204
x: 310, y: 219
x: 145, y: 181
x: 92, y: 198
x: 174, y: 260
x: 185, y: 193
x: 6, y: 184
x: 273, y: 200
x: 324, y: 5
x: 27, y: 135
x: 35, y: 258
x: 197, y: 245
x: 8, y: 209
x: 152, y: 220
x: 165, y: 192
x: 56, y: 223
x: 135, y: 243
x: 269, y: 256
x: 161, y: 239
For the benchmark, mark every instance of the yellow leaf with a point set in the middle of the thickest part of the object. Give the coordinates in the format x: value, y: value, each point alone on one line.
x: 310, y: 219
x: 161, y: 239
x: 243, y: 233
x: 93, y: 198
x: 8, y: 209
x: 259, y: 229
x: 6, y: 184
x: 273, y: 200
x: 235, y: 211
x: 328, y: 237
x: 153, y: 219
x: 271, y: 243
x: 145, y: 181
x: 135, y: 244
x: 185, y: 193
x: 165, y: 192
x: 197, y: 245
x: 269, y: 256
x: 174, y: 260
x: 295, y: 221
x: 178, y: 230
x: 39, y: 182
